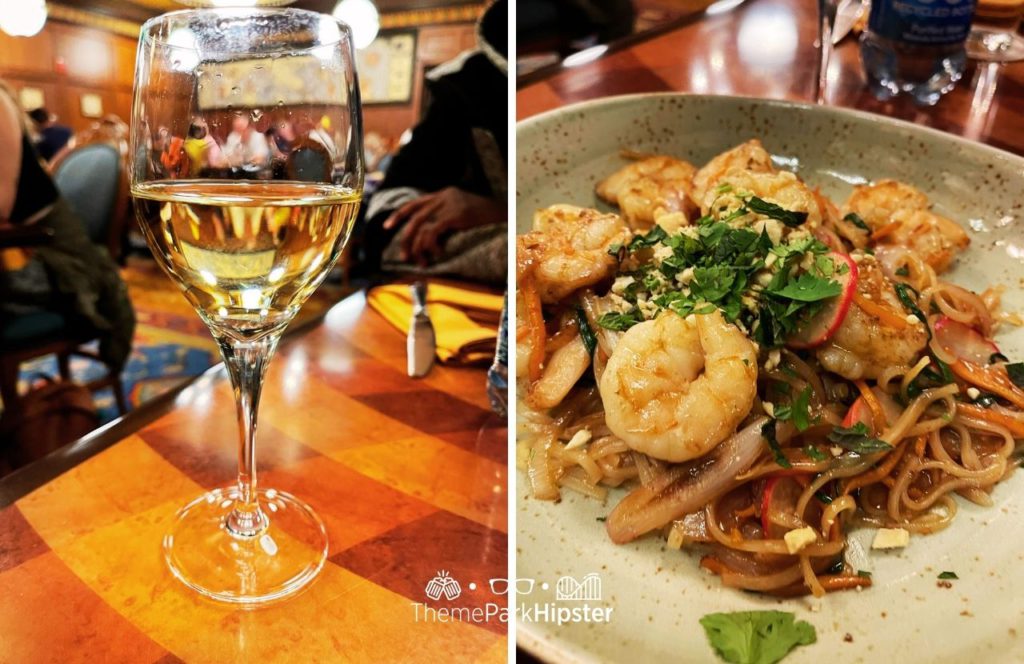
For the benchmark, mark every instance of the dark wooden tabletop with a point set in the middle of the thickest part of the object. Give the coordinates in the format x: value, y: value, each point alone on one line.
x: 766, y: 48
x: 408, y: 475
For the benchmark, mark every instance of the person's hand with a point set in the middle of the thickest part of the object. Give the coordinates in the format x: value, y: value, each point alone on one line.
x: 429, y: 218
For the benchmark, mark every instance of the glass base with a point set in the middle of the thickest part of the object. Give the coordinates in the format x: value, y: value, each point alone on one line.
x: 278, y: 561
x: 995, y: 46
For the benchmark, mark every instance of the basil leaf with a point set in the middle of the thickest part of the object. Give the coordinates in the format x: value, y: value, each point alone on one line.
x: 801, y: 409
x: 857, y: 439
x: 586, y: 333
x: 903, y: 293
x: 768, y: 431
x: 773, y: 211
x: 815, y: 453
x: 1016, y: 373
x: 855, y: 219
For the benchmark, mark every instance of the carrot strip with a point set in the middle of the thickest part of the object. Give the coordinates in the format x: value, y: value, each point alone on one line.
x: 885, y: 231
x: 877, y: 414
x: 713, y: 565
x: 535, y: 328
x: 993, y: 379
x: 882, y: 313
x: 1015, y: 426
x: 843, y: 582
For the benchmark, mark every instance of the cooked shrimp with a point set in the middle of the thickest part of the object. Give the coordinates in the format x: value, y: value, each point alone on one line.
x: 674, y: 388
x: 749, y: 156
x: 898, y: 214
x: 877, y: 331
x: 568, y: 249
x: 782, y: 188
x: 651, y: 190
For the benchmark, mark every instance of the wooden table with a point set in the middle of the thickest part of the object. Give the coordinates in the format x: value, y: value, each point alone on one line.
x: 765, y: 48
x: 409, y: 476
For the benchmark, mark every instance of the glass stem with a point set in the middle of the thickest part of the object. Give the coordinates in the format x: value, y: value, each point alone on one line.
x: 247, y: 363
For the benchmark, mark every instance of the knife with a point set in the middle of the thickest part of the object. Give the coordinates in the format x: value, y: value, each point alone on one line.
x: 420, y: 345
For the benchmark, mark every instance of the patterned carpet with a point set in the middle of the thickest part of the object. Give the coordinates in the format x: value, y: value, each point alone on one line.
x: 171, y: 343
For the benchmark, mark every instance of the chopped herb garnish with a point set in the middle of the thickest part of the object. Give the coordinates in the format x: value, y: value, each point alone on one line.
x: 903, y: 293
x: 756, y: 637
x: 653, y: 237
x: 614, y: 249
x: 997, y: 357
x: 823, y: 497
x: 586, y: 333
x: 773, y: 211
x: 807, y: 288
x: 768, y: 431
x: 602, y: 519
x: 1016, y: 373
x: 857, y: 439
x: 948, y: 575
x: 815, y: 453
x: 863, y: 573
x: 903, y: 271
x: 855, y: 219
x: 620, y: 322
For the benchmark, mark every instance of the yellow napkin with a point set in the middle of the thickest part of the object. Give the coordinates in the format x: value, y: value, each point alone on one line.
x: 465, y: 320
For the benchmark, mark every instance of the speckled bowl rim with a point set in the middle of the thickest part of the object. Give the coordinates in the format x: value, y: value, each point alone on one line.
x: 550, y: 650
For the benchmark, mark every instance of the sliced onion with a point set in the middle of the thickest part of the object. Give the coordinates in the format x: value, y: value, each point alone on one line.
x: 687, y: 487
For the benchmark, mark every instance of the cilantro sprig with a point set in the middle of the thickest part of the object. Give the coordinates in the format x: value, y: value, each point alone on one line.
x: 756, y: 637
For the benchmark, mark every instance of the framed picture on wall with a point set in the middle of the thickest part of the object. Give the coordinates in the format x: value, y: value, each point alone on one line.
x: 387, y: 68
x: 92, y: 105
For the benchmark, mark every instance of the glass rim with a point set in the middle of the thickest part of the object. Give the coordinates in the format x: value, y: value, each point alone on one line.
x: 147, y: 29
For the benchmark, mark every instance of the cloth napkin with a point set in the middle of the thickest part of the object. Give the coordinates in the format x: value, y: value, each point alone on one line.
x: 465, y: 319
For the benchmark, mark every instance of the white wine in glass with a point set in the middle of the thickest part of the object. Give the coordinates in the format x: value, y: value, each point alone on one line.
x: 247, y: 174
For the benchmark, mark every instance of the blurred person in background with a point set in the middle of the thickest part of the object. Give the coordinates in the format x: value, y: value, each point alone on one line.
x: 52, y: 136
x: 441, y: 209
x: 69, y: 274
x: 562, y: 27
x: 203, y: 152
x: 245, y: 147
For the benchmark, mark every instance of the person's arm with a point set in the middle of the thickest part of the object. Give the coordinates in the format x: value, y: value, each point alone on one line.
x: 10, y: 147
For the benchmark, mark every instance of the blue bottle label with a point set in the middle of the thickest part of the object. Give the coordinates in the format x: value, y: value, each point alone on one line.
x: 922, y: 21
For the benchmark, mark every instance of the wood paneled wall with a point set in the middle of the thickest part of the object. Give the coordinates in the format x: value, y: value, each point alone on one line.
x: 66, y: 61
x: 434, y: 44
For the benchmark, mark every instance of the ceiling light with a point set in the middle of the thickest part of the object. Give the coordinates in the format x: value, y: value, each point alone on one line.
x: 22, y: 18
x: 362, y: 17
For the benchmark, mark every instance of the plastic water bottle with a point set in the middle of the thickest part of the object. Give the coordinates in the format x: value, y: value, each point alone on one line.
x: 497, y: 376
x: 915, y: 47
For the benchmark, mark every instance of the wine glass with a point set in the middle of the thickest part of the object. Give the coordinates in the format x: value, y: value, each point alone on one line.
x: 247, y: 208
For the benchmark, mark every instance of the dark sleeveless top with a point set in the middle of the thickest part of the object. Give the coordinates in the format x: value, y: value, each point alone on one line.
x: 36, y: 190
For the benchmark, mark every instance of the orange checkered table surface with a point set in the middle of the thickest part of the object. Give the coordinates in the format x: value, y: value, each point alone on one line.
x: 410, y: 477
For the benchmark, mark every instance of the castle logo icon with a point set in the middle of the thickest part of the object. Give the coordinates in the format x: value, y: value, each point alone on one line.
x: 587, y: 589
x: 443, y: 585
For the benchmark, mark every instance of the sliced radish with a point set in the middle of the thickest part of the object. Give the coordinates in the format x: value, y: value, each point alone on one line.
x: 963, y: 341
x: 859, y: 412
x: 820, y: 329
x: 781, y: 493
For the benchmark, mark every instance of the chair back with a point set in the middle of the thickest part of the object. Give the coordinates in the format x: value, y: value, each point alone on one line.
x: 92, y: 176
x: 309, y: 161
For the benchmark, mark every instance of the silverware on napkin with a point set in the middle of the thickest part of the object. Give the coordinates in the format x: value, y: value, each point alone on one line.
x: 421, y: 345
